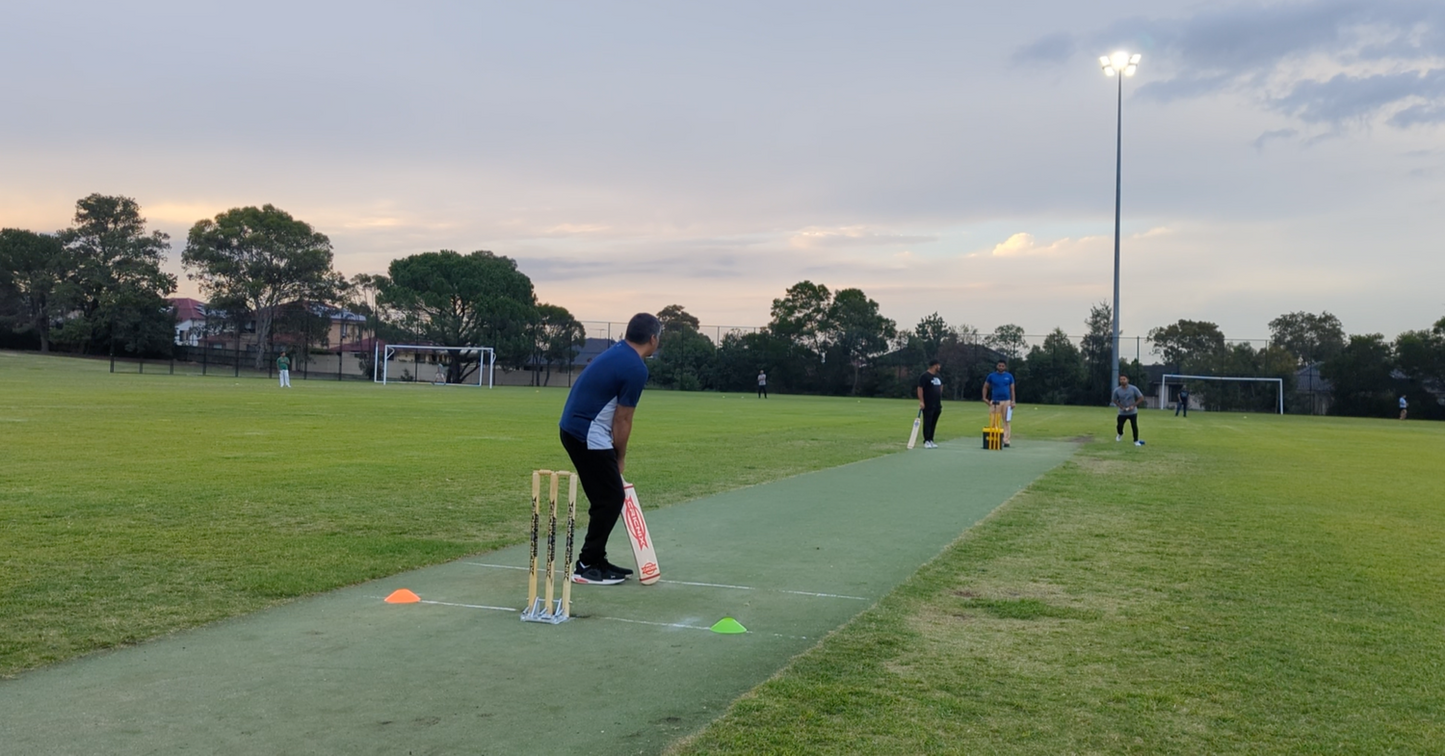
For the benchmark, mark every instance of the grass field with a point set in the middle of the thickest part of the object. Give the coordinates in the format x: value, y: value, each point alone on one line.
x: 1242, y: 584
x: 135, y: 505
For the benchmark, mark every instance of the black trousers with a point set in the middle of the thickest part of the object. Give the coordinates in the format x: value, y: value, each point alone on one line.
x: 762, y: 391
x: 602, y: 482
x: 1133, y: 424
x: 930, y: 421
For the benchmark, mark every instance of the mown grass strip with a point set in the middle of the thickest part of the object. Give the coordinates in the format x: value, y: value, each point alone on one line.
x: 136, y: 505
x: 1240, y: 585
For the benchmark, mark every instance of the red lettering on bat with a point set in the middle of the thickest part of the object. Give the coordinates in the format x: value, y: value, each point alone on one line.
x: 633, y: 514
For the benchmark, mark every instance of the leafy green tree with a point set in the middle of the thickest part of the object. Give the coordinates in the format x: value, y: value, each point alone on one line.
x: 801, y: 315
x: 858, y: 331
x: 916, y: 347
x: 119, y: 285
x: 965, y: 361
x: 1420, y: 356
x: 1097, y: 351
x: 36, y: 282
x: 559, y: 337
x: 1310, y: 338
x: 449, y: 299
x: 1054, y: 372
x: 740, y: 356
x: 1008, y: 340
x: 800, y: 321
x: 928, y: 336
x: 674, y: 317
x: 1361, y: 377
x: 684, y: 360
x: 264, y: 258
x: 1192, y: 345
x: 684, y: 357
x: 1243, y: 360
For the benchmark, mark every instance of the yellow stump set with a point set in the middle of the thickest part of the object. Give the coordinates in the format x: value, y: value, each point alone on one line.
x: 549, y: 610
x: 993, y: 434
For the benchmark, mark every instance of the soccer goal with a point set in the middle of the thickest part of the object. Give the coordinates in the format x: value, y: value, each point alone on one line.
x: 437, y: 365
x: 1164, y: 386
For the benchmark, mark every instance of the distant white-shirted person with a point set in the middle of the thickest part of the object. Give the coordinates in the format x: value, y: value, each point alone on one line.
x: 762, y: 385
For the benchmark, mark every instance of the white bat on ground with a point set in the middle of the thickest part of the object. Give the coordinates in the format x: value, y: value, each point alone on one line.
x: 913, y: 437
x: 647, y: 570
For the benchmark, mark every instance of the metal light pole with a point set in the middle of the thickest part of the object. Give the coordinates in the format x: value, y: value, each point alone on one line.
x: 1119, y: 64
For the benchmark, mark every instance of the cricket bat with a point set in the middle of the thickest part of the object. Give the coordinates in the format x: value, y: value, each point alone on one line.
x: 647, y: 570
x: 913, y: 437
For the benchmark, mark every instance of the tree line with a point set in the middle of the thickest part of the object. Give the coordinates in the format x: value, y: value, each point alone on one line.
x: 821, y: 341
x: 824, y: 342
x: 98, y: 285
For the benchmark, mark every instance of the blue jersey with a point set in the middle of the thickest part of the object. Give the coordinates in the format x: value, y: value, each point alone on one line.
x: 616, y: 377
x: 999, y: 384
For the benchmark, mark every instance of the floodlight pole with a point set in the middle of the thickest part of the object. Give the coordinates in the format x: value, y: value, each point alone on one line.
x: 1118, y: 195
x: 1119, y: 64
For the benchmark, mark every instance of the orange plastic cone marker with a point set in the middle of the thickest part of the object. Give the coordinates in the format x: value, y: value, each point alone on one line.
x: 403, y: 596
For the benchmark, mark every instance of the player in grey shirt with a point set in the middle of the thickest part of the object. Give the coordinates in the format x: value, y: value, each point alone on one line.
x: 1127, y: 399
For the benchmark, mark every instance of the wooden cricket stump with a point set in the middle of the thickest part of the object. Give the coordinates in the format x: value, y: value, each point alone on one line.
x: 553, y: 611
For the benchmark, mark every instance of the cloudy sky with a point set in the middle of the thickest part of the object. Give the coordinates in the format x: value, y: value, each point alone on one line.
x: 942, y: 156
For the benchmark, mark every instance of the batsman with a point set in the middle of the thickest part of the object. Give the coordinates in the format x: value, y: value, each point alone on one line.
x: 595, y: 427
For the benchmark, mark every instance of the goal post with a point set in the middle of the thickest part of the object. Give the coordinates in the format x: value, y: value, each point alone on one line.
x: 1164, y: 386
x: 486, y: 367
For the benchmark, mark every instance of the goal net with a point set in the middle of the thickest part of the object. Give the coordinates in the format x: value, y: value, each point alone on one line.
x: 437, y: 365
x: 1224, y: 393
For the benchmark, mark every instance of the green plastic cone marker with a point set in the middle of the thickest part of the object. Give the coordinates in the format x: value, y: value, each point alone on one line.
x: 728, y: 626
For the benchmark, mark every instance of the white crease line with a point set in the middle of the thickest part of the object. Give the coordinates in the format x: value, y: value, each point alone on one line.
x: 471, y: 606
x: 824, y: 595
x: 701, y: 585
x: 656, y: 624
x: 710, y: 585
x: 497, y: 566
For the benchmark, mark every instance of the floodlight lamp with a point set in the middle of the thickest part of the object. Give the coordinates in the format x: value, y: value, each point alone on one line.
x: 1119, y: 60
x: 1109, y: 71
x: 1134, y: 59
x: 1130, y: 70
x: 1104, y: 61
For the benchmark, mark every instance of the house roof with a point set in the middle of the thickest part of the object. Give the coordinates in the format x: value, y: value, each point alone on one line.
x: 365, y: 345
x: 188, y: 309
x: 319, y: 310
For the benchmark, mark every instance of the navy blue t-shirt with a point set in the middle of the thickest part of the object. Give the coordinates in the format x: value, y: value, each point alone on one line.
x: 999, y: 384
x: 615, y: 377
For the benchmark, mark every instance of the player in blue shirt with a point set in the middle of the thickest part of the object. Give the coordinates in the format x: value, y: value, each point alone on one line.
x: 998, y: 391
x: 596, y: 424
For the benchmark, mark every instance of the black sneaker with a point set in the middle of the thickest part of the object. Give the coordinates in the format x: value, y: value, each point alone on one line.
x: 606, y: 565
x: 599, y: 575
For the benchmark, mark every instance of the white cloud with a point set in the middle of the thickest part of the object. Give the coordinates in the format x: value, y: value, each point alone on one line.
x: 1025, y: 245
x: 852, y: 236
